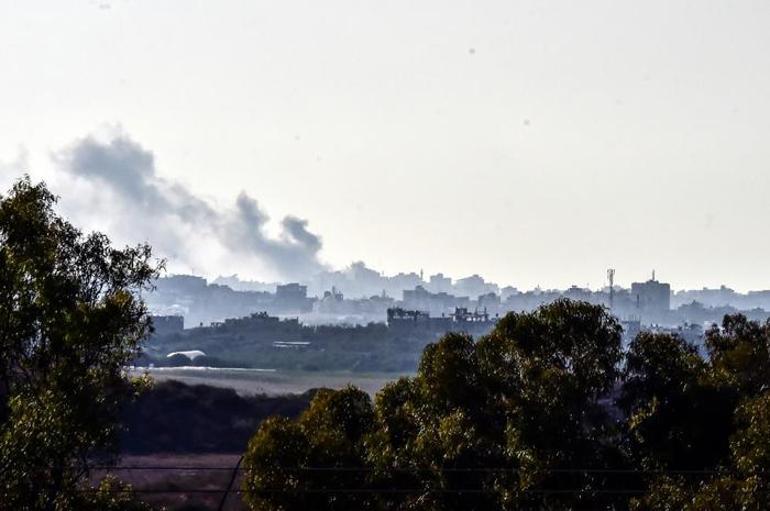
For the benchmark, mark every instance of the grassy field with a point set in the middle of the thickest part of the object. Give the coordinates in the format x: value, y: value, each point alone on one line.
x: 195, y: 481
x: 270, y: 382
x: 180, y: 482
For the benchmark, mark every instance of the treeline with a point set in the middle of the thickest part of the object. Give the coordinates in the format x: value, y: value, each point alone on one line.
x: 546, y: 412
x: 248, y: 342
x: 174, y: 417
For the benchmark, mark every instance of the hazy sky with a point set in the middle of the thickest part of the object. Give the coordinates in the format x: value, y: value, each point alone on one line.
x: 531, y: 142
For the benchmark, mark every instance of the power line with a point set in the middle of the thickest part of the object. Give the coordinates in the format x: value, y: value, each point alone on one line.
x: 367, y: 491
x: 416, y: 470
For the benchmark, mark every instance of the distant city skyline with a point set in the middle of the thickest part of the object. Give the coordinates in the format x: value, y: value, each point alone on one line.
x: 361, y: 296
x: 412, y: 278
x: 530, y: 143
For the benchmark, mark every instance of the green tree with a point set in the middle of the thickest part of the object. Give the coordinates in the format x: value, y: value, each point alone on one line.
x: 711, y: 415
x: 316, y: 462
x: 676, y: 418
x: 743, y: 484
x: 739, y: 353
x: 431, y: 441
x: 483, y: 425
x: 540, y: 414
x: 71, y: 317
x: 552, y: 368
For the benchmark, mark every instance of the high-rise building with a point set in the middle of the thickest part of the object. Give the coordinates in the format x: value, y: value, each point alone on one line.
x: 652, y: 299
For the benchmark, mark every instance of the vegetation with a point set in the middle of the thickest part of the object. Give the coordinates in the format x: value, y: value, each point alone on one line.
x: 244, y: 343
x: 70, y: 317
x: 545, y: 412
x: 174, y: 417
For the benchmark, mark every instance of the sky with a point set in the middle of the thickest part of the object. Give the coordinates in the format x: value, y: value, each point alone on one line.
x: 532, y: 142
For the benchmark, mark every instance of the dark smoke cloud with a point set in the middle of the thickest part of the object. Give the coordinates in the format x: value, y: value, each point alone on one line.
x: 178, y: 219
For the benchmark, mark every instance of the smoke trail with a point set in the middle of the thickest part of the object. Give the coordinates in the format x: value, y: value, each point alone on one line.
x: 175, y: 220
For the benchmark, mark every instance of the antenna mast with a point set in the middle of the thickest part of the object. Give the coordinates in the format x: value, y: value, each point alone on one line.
x: 611, y: 278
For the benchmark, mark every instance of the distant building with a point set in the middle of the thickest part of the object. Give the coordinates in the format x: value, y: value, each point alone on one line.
x: 508, y: 291
x: 474, y: 285
x: 490, y: 302
x: 165, y: 325
x: 652, y: 299
x: 578, y: 293
x: 292, y: 298
x: 182, y: 283
x: 291, y: 345
x: 397, y: 314
x: 190, y: 354
x: 421, y: 325
x: 202, y: 303
x: 436, y: 303
x: 438, y: 283
x: 291, y: 292
x: 332, y: 302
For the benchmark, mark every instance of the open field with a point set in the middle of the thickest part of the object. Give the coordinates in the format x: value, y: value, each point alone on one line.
x: 270, y: 382
x: 195, y: 481
x: 180, y: 481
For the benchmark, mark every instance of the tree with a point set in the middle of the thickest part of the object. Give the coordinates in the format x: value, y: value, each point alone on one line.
x: 313, y: 463
x: 743, y: 484
x: 739, y: 353
x: 71, y: 317
x: 676, y: 418
x: 552, y: 368
x: 710, y: 415
x: 484, y: 424
x: 539, y: 414
x: 750, y: 448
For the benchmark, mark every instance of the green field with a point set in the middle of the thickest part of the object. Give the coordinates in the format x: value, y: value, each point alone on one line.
x: 270, y: 382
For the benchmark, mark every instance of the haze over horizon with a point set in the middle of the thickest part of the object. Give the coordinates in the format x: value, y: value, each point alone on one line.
x: 532, y: 144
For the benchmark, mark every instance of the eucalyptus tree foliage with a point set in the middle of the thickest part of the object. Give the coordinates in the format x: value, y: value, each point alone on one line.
x: 544, y: 413
x: 481, y: 426
x: 71, y: 317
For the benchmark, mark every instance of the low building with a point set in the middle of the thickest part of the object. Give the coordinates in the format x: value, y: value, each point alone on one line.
x: 165, y: 325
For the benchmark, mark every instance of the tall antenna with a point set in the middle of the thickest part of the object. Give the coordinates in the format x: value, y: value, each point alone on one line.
x: 611, y: 278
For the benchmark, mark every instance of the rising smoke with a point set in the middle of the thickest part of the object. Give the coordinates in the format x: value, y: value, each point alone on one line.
x: 145, y: 207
